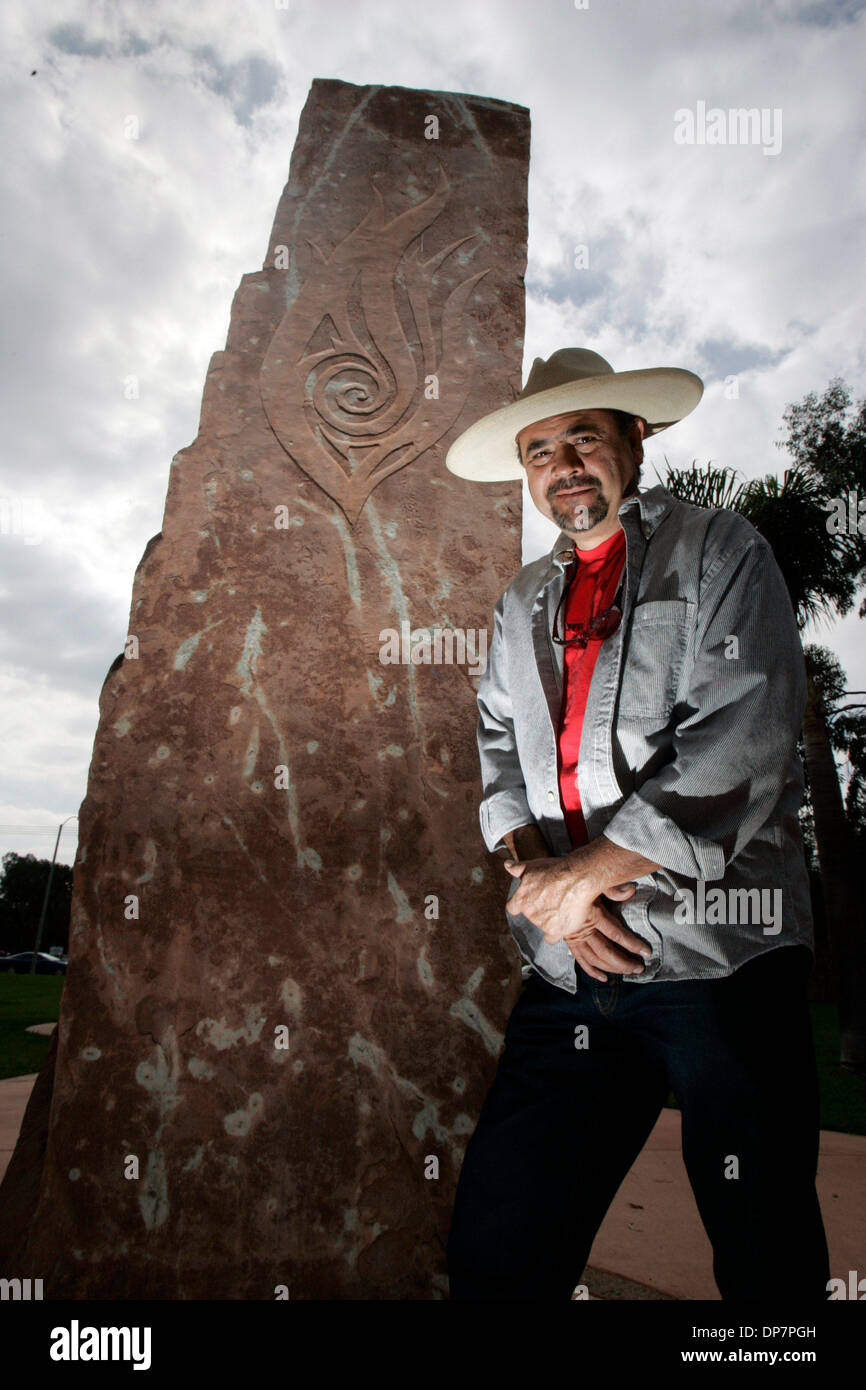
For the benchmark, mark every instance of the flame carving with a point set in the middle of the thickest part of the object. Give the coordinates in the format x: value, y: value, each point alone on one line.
x: 342, y: 386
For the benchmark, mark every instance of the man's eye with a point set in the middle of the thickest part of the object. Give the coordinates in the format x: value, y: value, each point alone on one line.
x: 537, y: 455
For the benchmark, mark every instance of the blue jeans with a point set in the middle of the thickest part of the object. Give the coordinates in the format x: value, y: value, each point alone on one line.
x: 562, y: 1124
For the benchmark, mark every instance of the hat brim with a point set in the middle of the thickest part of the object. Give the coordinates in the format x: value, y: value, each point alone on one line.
x: 486, y: 451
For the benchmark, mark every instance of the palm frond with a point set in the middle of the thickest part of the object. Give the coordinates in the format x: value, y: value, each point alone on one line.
x: 704, y: 485
x: 819, y: 569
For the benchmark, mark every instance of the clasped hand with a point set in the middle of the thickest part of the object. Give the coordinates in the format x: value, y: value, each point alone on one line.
x: 566, y: 905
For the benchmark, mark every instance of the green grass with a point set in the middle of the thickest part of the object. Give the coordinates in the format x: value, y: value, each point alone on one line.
x: 843, y: 1096
x: 26, y: 999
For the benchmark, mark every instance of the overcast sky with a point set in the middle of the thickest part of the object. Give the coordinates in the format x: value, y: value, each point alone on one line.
x: 120, y: 258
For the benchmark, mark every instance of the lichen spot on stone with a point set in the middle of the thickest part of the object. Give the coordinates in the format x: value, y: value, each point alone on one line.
x: 121, y: 726
x: 239, y: 1122
x: 425, y: 974
x: 200, y: 1069
x: 90, y: 1054
x: 292, y: 998
x: 393, y: 750
x: 217, y: 1032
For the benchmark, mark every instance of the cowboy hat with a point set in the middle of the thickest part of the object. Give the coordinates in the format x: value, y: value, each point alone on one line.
x: 571, y: 379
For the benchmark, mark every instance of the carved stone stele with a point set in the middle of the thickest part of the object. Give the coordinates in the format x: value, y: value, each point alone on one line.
x: 290, y: 966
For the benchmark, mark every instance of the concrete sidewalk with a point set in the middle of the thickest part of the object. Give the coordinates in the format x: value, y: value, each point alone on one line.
x: 651, y: 1244
x: 652, y: 1233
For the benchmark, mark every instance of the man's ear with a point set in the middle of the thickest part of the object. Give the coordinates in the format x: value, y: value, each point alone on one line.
x: 638, y: 428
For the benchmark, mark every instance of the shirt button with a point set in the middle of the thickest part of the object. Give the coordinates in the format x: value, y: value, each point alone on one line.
x: 551, y: 796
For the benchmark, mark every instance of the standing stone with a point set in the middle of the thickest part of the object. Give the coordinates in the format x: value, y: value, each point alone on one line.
x: 289, y: 964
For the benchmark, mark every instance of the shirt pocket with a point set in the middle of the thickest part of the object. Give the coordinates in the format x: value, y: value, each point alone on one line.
x: 653, y: 659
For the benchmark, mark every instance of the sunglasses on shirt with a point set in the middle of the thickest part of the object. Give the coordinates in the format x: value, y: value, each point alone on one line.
x: 603, y: 625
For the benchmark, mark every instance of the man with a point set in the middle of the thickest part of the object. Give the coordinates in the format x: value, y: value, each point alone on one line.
x: 637, y: 734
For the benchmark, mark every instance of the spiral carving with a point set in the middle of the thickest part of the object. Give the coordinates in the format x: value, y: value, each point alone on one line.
x: 356, y: 406
x: 353, y: 395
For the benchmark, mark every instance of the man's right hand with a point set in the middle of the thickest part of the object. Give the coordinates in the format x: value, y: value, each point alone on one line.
x: 604, y: 942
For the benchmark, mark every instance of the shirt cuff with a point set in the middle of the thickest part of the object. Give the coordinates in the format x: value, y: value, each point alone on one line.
x: 642, y: 828
x: 502, y: 812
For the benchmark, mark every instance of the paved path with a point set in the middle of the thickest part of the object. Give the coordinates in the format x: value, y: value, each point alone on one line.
x: 651, y: 1243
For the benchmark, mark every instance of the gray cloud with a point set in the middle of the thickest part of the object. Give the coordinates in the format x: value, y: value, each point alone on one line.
x: 247, y: 84
x: 70, y: 624
x: 70, y: 38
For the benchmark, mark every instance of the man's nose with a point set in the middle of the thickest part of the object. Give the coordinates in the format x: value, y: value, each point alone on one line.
x: 564, y: 453
x: 565, y: 458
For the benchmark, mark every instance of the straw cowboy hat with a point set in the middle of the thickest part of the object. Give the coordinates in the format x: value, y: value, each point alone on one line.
x: 571, y: 379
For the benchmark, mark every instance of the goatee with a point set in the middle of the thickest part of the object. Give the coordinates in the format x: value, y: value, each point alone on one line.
x: 581, y: 517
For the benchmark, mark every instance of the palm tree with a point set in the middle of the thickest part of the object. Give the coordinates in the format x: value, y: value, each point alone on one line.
x: 822, y: 572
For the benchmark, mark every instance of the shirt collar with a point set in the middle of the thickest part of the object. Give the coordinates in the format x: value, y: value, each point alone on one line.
x: 651, y: 506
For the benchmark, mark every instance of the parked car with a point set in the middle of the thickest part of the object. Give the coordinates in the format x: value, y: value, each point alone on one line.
x: 45, y: 964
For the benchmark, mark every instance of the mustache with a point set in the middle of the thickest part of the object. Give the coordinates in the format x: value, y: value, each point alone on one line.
x: 573, y: 482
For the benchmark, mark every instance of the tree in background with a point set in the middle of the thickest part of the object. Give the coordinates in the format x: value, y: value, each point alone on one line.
x: 22, y: 890
x: 823, y: 563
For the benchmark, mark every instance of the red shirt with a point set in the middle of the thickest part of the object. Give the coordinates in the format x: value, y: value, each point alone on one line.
x: 593, y: 589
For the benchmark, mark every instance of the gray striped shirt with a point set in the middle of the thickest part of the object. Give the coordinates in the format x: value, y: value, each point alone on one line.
x: 688, y: 752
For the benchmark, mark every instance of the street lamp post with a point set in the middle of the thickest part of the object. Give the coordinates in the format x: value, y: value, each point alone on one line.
x: 45, y: 899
